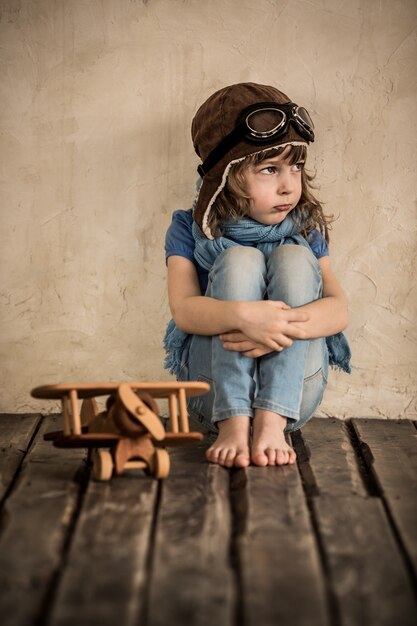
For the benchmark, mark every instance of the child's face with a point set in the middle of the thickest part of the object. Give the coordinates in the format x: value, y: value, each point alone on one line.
x: 274, y: 188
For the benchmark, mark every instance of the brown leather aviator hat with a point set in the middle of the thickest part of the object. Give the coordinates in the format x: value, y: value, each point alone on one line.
x: 235, y: 122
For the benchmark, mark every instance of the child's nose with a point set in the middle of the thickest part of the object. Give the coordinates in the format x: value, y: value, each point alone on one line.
x: 285, y: 183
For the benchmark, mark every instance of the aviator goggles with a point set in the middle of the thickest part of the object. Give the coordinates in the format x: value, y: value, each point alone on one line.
x: 262, y: 123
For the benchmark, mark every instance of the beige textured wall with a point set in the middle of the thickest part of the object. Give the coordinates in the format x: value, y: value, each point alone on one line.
x: 96, y: 103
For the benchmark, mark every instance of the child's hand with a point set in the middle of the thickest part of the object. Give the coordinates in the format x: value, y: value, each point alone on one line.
x: 270, y: 324
x: 238, y: 342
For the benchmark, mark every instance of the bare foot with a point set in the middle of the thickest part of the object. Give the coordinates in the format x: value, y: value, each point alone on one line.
x: 231, y: 447
x: 268, y: 441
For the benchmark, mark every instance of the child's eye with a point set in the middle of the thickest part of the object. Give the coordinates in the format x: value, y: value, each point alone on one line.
x: 271, y: 169
x: 298, y: 166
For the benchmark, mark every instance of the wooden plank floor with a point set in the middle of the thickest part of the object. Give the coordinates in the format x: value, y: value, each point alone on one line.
x: 330, y: 541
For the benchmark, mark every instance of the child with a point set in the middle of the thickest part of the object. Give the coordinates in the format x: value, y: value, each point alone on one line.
x: 251, y: 290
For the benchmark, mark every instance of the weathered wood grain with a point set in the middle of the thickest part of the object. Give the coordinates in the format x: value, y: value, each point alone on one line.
x: 16, y: 432
x: 105, y: 577
x: 333, y: 466
x: 192, y: 580
x: 281, y: 577
x: 391, y: 447
x: 35, y: 523
x: 330, y: 541
x: 366, y: 572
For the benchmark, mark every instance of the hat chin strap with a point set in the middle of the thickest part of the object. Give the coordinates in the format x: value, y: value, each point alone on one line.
x: 205, y: 227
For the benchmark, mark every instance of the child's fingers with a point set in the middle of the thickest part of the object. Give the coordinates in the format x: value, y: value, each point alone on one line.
x: 240, y: 342
x: 245, y: 346
x: 257, y: 352
x: 293, y: 315
x: 233, y: 336
x: 295, y: 332
x: 284, y: 341
x: 280, y: 304
x: 254, y: 349
x: 239, y: 346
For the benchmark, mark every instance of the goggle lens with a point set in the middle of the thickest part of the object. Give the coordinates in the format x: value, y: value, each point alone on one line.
x: 304, y: 117
x: 265, y: 122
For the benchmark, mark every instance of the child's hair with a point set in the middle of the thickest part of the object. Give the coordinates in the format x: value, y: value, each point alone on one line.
x: 233, y: 201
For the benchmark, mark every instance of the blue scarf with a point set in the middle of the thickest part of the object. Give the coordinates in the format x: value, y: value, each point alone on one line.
x: 267, y: 238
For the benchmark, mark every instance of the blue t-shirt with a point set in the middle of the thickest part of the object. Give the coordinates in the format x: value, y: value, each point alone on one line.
x: 179, y: 241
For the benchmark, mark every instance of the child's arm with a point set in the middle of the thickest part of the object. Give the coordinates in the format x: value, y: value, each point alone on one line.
x: 327, y: 316
x: 271, y: 324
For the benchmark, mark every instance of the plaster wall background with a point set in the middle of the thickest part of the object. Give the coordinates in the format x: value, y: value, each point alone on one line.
x: 97, y: 99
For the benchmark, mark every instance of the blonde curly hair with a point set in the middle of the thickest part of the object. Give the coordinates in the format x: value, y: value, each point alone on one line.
x: 233, y: 201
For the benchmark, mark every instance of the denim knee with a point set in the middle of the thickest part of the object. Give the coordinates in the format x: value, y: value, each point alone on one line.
x: 238, y: 273
x: 294, y: 275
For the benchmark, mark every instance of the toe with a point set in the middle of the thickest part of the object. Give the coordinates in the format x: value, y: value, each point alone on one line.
x: 292, y: 456
x: 271, y: 456
x: 229, y: 458
x: 210, y: 455
x: 259, y: 458
x: 282, y: 457
x: 222, y: 459
x: 242, y: 460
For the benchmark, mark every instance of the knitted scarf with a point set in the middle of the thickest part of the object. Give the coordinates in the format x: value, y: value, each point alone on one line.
x: 267, y: 238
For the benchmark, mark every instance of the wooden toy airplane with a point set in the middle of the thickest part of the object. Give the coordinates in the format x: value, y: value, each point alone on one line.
x: 129, y: 434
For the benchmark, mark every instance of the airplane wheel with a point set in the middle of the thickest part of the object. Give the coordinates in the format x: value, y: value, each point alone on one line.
x: 162, y: 463
x: 102, y: 465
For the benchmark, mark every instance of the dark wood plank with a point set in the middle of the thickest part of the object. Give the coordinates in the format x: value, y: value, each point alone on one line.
x: 16, y: 432
x: 333, y: 468
x: 392, y: 454
x: 281, y: 576
x: 367, y: 573
x: 35, y: 523
x: 366, y: 570
x: 392, y: 445
x: 324, y: 542
x: 105, y: 577
x: 192, y: 580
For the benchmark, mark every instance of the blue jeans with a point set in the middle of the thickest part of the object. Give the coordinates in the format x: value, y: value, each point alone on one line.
x: 290, y: 383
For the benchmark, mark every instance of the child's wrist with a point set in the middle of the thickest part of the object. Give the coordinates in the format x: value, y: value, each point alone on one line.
x: 239, y: 316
